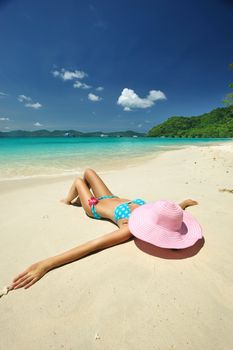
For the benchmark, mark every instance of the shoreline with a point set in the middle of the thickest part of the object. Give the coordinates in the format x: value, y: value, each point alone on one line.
x: 7, y: 184
x: 37, y: 180
x: 14, y: 169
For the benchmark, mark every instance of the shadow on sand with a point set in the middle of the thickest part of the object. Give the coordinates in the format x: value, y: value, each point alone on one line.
x: 170, y: 253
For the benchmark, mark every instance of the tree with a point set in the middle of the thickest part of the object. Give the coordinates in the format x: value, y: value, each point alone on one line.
x: 229, y: 97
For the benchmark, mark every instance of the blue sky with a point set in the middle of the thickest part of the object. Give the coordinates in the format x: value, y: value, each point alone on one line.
x: 112, y: 65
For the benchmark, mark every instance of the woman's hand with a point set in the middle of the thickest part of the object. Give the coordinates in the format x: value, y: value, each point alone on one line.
x: 30, y: 276
x: 187, y: 203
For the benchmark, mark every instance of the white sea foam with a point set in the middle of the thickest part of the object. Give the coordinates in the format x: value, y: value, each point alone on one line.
x: 49, y: 158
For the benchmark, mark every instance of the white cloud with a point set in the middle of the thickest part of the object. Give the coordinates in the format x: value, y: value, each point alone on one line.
x: 139, y: 125
x: 94, y: 98
x: 99, y: 88
x: 4, y: 119
x: 35, y: 105
x: 76, y: 76
x: 130, y: 100
x: 37, y: 124
x: 6, y: 128
x: 55, y: 73
x: 69, y: 75
x: 23, y: 98
x: 79, y: 85
x: 29, y: 102
x: 2, y: 94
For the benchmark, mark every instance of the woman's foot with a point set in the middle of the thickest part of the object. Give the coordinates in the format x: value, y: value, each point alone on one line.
x: 65, y: 201
x: 188, y: 203
x: 75, y: 202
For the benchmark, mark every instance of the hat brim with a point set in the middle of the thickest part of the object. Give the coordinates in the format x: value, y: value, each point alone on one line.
x: 141, y: 225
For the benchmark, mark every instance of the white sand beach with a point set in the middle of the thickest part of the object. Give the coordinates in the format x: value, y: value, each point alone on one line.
x: 128, y: 297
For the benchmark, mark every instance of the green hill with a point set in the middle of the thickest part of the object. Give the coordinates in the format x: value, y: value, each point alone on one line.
x: 217, y: 123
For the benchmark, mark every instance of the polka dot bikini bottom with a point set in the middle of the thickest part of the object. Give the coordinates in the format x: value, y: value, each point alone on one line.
x: 122, y: 211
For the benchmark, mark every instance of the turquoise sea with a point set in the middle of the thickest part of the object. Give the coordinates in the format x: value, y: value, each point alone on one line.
x: 32, y: 157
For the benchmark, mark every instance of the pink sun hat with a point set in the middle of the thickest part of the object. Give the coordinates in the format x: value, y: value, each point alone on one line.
x: 165, y: 224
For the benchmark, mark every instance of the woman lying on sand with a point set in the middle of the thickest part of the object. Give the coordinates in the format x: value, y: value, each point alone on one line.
x: 162, y: 223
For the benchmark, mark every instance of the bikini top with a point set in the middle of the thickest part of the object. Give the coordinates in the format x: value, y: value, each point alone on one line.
x: 122, y: 211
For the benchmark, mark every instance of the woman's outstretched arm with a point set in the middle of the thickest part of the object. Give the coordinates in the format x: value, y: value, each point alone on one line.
x: 34, y: 272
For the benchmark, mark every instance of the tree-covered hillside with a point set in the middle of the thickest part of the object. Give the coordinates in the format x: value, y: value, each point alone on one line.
x: 217, y: 123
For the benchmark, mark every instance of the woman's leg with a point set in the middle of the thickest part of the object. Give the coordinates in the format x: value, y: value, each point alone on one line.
x: 96, y: 184
x: 80, y: 188
x: 72, y: 194
x: 93, y: 182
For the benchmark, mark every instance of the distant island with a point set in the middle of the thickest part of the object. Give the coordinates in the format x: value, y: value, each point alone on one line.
x: 217, y: 123
x: 69, y: 133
